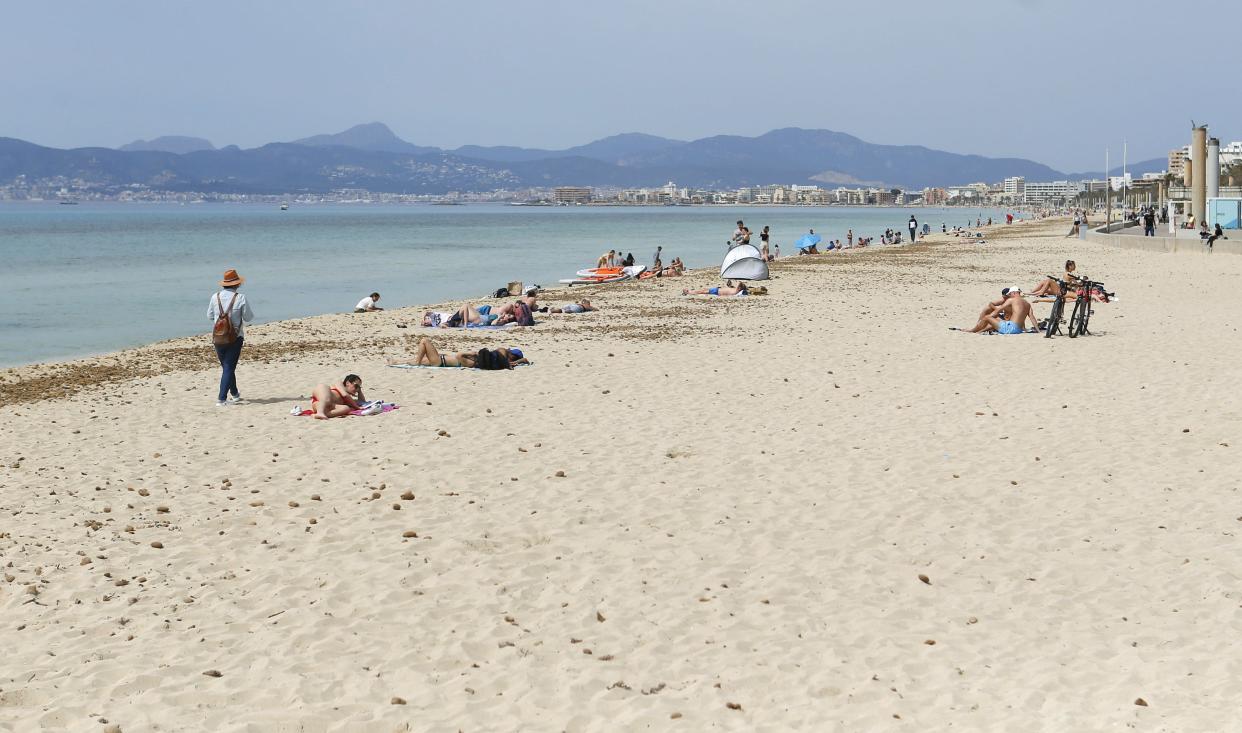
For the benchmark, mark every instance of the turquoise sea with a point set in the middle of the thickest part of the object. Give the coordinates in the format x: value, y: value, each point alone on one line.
x: 94, y: 278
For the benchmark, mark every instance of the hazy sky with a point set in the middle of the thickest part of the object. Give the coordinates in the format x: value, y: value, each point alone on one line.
x: 1051, y: 80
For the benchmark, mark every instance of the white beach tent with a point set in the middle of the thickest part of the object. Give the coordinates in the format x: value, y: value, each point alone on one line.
x: 744, y: 263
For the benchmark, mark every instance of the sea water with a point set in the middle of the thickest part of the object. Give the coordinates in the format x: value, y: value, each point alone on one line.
x: 97, y: 277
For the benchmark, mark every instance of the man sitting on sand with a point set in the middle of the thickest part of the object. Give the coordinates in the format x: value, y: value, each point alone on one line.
x: 427, y: 355
x: 368, y: 304
x: 1007, y: 316
x: 337, y: 401
x: 724, y: 292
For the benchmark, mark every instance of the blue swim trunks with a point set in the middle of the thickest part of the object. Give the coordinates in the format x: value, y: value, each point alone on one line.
x: 1008, y: 328
x: 713, y: 291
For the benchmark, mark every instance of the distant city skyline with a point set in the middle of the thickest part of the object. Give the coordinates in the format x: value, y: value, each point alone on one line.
x: 1047, y: 80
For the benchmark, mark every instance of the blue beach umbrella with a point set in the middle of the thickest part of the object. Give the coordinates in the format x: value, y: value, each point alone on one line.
x: 807, y: 240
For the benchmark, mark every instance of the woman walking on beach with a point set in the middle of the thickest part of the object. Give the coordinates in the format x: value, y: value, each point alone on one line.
x: 229, y: 311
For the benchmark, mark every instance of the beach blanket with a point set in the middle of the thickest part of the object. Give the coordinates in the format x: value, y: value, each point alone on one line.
x: 368, y: 408
x: 426, y: 366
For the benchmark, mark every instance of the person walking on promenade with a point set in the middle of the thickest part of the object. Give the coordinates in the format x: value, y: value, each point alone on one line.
x: 913, y: 226
x: 1149, y: 223
x: 229, y: 311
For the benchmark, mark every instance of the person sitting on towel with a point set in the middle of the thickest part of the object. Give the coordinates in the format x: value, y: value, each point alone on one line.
x: 339, y: 400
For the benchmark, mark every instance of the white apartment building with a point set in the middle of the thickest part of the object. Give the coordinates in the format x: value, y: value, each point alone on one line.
x: 1015, y: 187
x: 1038, y: 192
x: 1231, y: 153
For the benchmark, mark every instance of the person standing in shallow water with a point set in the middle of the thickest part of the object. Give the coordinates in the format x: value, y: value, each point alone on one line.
x: 229, y: 300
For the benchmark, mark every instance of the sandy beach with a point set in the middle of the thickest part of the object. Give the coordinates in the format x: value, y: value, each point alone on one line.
x: 817, y: 509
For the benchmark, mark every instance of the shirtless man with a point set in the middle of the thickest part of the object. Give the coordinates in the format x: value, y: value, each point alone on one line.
x: 608, y: 259
x: 339, y: 400
x: 1008, y: 317
x: 726, y: 291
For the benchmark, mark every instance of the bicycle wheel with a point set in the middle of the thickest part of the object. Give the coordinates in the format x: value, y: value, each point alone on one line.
x: 1054, y: 318
x: 1078, y: 319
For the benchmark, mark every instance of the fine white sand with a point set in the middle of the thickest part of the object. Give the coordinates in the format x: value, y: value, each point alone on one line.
x: 751, y: 491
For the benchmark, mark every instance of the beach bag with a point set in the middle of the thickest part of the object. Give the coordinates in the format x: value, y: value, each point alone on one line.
x: 223, y: 333
x: 500, y: 292
x: 516, y: 287
x: 522, y: 315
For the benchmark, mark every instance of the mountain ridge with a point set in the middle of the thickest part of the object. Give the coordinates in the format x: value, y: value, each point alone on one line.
x: 370, y: 156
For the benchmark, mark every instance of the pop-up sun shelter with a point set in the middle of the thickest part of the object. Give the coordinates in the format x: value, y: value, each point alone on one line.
x: 744, y: 263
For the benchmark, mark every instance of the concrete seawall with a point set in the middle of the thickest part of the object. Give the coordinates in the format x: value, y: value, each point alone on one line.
x: 1172, y: 245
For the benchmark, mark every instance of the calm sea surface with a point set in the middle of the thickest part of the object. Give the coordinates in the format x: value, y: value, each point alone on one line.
x: 94, y: 278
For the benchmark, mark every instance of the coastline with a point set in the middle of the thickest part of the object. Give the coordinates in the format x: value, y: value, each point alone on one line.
x: 402, y: 252
x: 818, y: 508
x: 273, y: 341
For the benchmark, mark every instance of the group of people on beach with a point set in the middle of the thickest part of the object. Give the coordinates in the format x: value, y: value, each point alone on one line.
x: 613, y: 259
x: 229, y: 310
x: 1012, y: 312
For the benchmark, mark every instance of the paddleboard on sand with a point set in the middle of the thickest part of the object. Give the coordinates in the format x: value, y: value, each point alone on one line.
x: 597, y: 280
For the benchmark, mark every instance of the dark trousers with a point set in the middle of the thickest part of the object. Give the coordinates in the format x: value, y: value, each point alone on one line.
x: 229, y: 356
x: 912, y: 233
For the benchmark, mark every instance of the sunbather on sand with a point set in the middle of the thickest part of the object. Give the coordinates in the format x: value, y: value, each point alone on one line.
x: 508, y: 313
x: 427, y: 355
x: 673, y: 269
x: 1009, y: 317
x: 337, y: 401
x: 725, y: 291
x: 1049, y: 287
x: 466, y: 315
x: 581, y: 306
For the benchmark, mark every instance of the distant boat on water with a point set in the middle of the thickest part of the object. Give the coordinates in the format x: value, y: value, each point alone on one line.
x: 284, y: 207
x: 447, y: 203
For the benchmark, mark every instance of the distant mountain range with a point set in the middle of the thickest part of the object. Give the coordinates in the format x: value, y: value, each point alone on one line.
x: 371, y: 157
x: 178, y: 144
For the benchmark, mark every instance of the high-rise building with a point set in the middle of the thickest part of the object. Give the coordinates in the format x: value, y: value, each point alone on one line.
x: 571, y: 195
x: 1015, y: 187
x: 1177, y: 160
x: 1038, y: 192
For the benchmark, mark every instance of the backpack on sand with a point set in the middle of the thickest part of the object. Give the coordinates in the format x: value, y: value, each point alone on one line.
x: 223, y: 333
x: 522, y: 315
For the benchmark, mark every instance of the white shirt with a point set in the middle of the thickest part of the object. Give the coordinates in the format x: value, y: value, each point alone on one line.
x: 241, y: 310
x: 365, y: 304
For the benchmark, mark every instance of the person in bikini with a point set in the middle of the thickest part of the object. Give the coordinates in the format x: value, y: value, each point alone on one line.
x: 427, y: 355
x: 339, y: 400
x: 1049, y: 287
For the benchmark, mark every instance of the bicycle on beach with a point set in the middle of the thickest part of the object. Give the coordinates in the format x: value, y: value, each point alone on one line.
x: 1083, y: 310
x: 1085, y: 290
x: 1053, y: 324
